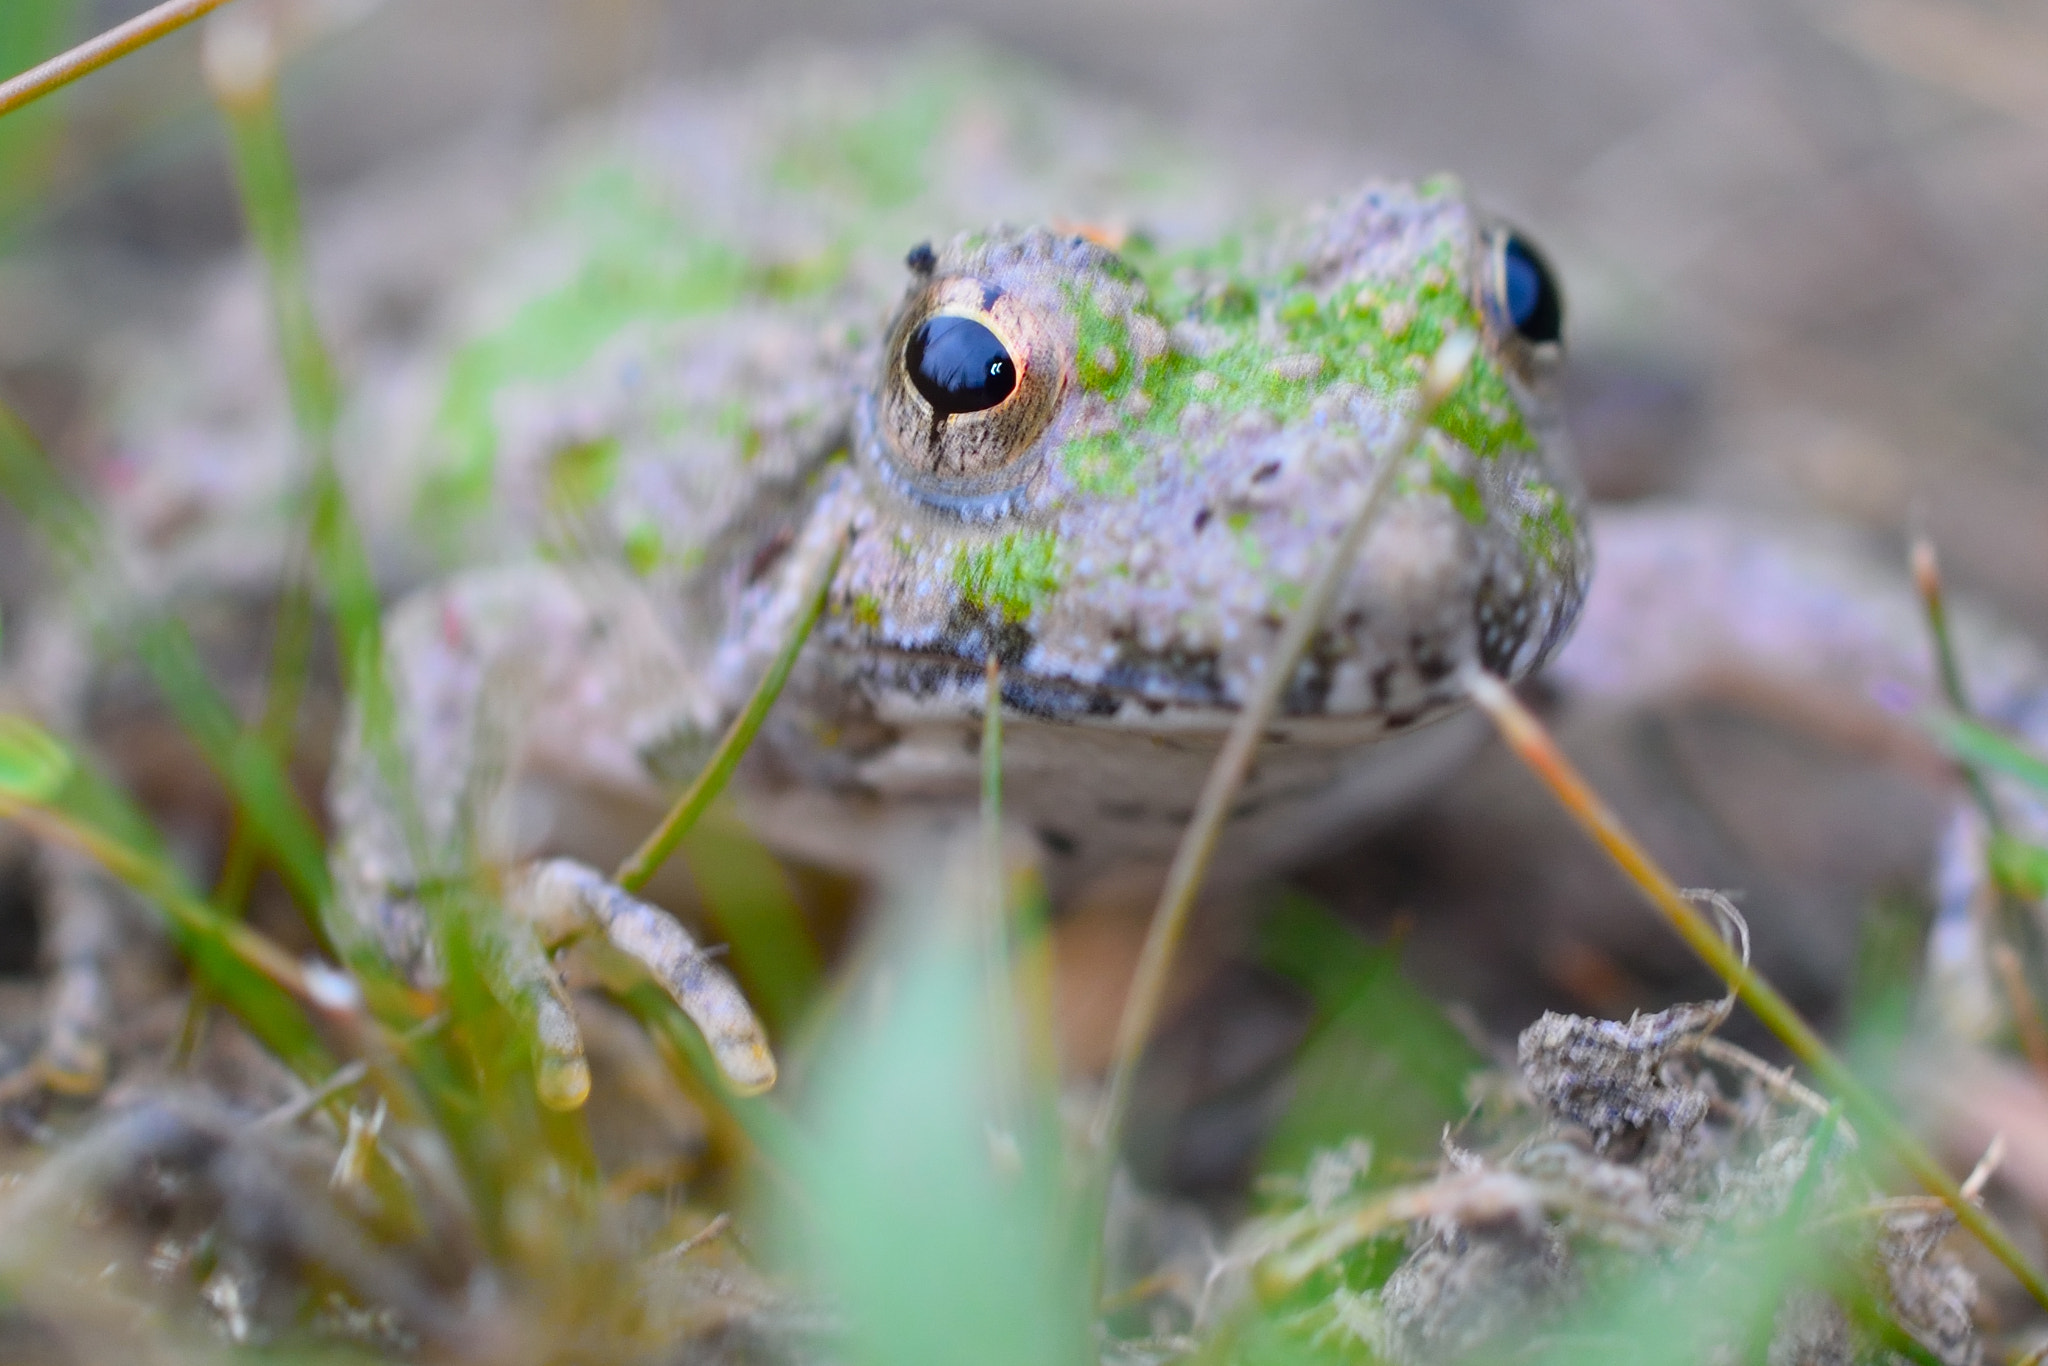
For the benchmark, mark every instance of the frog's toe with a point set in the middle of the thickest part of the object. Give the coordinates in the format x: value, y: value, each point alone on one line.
x: 563, y: 899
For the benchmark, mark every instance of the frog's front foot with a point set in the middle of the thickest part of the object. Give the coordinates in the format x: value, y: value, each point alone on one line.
x: 563, y: 901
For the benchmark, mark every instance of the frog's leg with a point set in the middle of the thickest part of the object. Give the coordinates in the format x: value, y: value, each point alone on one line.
x: 1802, y: 621
x: 495, y: 674
x: 564, y: 900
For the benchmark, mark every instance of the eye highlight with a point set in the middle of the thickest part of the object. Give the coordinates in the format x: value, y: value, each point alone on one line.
x: 959, y: 365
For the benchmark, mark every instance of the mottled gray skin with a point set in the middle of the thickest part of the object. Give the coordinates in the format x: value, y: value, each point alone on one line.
x: 1142, y: 615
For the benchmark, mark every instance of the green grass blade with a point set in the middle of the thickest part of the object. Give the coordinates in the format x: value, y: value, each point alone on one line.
x: 1972, y: 742
x: 755, y: 907
x: 241, y: 68
x: 1382, y: 1064
x: 255, y: 780
x: 48, y: 790
x: 732, y: 746
x: 30, y: 140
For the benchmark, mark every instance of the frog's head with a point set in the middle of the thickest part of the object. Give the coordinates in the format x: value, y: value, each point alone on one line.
x: 1118, y: 470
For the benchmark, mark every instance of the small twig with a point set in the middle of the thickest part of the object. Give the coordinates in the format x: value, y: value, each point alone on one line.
x: 1533, y: 745
x: 292, y: 1111
x: 720, y: 1222
x: 1226, y: 775
x: 642, y: 864
x: 992, y: 784
x: 2026, y: 1013
x: 993, y: 931
x: 1778, y: 1080
x: 1986, y: 1168
x: 94, y: 53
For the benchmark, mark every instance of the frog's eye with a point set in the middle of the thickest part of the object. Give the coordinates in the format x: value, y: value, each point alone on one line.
x: 959, y: 365
x: 973, y: 376
x: 1530, y: 292
x: 1519, y: 294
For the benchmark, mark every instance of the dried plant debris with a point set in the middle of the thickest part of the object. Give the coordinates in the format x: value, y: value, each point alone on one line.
x: 1643, y: 1191
x: 177, y: 1219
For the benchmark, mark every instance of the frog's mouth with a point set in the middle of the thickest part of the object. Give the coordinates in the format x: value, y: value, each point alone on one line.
x: 1170, y: 693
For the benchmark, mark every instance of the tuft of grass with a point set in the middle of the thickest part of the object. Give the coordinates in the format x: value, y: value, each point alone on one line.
x: 1531, y: 743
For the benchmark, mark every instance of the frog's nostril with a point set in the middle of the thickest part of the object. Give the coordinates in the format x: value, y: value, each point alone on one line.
x: 959, y: 365
x: 1533, y: 300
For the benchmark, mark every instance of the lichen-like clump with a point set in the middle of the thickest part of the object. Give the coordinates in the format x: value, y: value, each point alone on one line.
x: 1626, y: 1190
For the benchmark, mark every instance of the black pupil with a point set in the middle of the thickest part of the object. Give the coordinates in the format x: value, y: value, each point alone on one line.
x: 1533, y: 302
x: 959, y: 365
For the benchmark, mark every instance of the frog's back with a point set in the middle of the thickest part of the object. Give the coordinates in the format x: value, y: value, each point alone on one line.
x: 625, y: 338
x: 656, y: 366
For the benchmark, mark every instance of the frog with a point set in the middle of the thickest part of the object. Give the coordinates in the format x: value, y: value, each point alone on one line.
x: 1029, y: 392
x: 1104, y: 472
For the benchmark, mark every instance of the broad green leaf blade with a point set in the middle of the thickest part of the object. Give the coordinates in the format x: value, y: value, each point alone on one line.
x: 936, y: 1205
x: 33, y: 767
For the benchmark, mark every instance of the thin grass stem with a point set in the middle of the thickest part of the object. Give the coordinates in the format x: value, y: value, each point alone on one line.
x: 2017, y: 953
x: 1000, y: 990
x: 94, y: 53
x: 644, y: 862
x: 1934, y: 606
x: 241, y: 68
x: 2026, y: 1010
x: 1233, y: 760
x: 1533, y: 745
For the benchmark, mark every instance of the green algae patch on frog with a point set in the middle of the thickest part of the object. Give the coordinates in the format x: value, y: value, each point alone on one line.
x: 1103, y: 464
x: 1271, y: 345
x: 1461, y: 488
x: 1382, y: 336
x: 638, y: 260
x: 1550, y: 529
x: 1010, y: 574
x: 1104, y: 361
x: 581, y: 475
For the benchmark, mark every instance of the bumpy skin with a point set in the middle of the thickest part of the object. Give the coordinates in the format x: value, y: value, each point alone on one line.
x: 1195, y: 422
